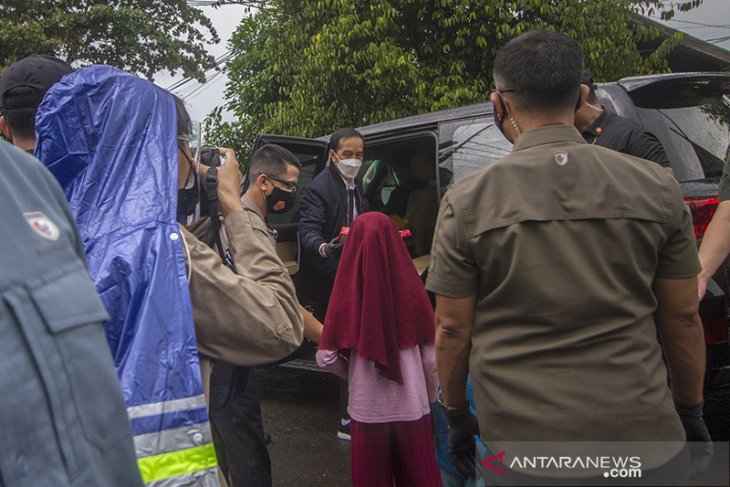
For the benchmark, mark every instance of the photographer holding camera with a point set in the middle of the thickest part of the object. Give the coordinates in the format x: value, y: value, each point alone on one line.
x: 132, y: 177
x: 234, y: 409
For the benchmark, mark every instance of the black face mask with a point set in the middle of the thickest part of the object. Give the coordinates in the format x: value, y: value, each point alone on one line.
x: 280, y: 201
x: 188, y: 198
x: 499, y: 122
x: 187, y: 201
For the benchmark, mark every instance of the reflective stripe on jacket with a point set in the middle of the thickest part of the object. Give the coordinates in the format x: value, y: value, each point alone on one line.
x: 110, y: 139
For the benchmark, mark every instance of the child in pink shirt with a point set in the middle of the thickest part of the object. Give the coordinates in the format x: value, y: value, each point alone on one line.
x: 379, y: 334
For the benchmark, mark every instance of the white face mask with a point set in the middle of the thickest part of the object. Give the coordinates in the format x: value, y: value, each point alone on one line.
x: 349, y: 167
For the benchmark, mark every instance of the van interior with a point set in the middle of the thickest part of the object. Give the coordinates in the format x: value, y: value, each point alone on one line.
x: 401, y: 179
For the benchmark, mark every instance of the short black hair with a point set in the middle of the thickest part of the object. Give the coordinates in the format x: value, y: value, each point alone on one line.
x: 21, y: 121
x: 344, y: 133
x: 272, y: 159
x: 544, y: 69
x: 184, y: 124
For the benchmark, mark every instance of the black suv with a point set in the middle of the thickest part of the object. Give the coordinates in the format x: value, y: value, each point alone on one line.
x: 415, y: 159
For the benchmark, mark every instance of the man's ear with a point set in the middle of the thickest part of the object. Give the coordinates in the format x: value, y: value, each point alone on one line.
x: 261, y: 182
x: 5, y: 129
x: 498, y: 103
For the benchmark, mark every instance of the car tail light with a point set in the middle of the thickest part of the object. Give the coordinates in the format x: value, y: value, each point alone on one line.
x: 713, y: 311
x: 702, y: 209
x: 715, y: 330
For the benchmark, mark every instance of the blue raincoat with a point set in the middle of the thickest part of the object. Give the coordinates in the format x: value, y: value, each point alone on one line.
x: 110, y: 140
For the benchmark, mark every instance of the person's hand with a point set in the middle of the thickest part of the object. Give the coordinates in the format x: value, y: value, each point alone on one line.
x: 701, y: 286
x: 698, y: 437
x: 333, y: 248
x: 229, y: 182
x: 463, y: 428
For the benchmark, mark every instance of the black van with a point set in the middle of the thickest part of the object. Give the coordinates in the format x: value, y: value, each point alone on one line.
x: 688, y: 112
x: 434, y: 149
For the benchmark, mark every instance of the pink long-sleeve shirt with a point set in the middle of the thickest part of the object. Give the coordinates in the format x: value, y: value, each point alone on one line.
x: 375, y: 399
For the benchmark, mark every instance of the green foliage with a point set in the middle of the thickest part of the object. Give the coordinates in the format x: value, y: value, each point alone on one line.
x: 307, y: 67
x: 667, y: 14
x: 140, y: 36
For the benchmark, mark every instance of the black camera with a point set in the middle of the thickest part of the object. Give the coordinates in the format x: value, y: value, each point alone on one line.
x: 210, y: 157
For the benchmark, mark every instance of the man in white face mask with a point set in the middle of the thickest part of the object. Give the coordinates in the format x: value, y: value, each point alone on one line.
x: 331, y: 201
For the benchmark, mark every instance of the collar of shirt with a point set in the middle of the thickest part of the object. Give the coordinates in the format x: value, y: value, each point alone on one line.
x: 348, y: 184
x: 548, y: 134
x: 598, y: 125
x: 249, y: 204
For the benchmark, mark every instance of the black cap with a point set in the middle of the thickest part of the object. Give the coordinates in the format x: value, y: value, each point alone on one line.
x: 36, y: 71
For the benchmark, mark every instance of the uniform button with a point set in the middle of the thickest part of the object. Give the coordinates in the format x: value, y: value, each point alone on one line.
x: 174, y: 237
x: 198, y: 438
x: 280, y: 330
x: 20, y: 465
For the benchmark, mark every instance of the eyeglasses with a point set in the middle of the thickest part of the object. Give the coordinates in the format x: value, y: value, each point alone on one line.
x: 290, y: 186
x: 190, y: 138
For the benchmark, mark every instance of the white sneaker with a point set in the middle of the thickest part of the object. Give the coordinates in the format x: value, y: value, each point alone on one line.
x: 344, y: 432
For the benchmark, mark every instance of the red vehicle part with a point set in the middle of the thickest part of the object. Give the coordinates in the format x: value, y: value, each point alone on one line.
x: 713, y: 306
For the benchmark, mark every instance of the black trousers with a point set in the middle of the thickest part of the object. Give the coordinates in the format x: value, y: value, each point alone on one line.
x: 324, y: 290
x: 238, y: 433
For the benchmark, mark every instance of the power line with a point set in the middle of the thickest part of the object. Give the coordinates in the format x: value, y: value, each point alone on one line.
x: 219, y: 3
x: 204, y: 87
x: 718, y: 40
x: 701, y: 24
x: 220, y: 61
x: 187, y: 91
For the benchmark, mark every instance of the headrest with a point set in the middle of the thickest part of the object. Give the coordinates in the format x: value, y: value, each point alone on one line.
x: 423, y: 166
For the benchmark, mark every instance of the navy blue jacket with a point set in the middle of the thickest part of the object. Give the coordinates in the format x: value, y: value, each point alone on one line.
x: 323, y: 210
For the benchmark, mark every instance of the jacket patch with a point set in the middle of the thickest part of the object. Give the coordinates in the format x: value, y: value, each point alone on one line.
x: 42, y: 225
x: 561, y: 158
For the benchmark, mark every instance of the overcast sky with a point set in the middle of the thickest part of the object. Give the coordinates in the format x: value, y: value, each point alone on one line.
x: 710, y: 21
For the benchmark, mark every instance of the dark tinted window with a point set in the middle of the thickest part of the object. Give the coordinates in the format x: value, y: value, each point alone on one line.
x: 690, y: 115
x: 696, y: 138
x: 474, y: 144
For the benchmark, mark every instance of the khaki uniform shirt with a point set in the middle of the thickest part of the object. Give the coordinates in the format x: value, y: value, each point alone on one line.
x: 251, y: 316
x: 560, y: 242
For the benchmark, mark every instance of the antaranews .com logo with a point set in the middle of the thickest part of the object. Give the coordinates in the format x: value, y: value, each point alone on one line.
x: 616, y: 467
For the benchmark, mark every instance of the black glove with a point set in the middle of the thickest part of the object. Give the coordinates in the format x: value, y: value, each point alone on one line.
x: 700, y: 443
x: 463, y: 427
x: 332, y: 248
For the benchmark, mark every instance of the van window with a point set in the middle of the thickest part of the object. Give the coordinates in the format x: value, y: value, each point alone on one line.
x: 696, y: 138
x: 400, y: 180
x: 475, y: 145
x: 379, y: 182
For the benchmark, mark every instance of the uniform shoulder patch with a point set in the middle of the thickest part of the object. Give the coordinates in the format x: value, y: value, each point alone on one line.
x: 42, y: 225
x: 561, y: 158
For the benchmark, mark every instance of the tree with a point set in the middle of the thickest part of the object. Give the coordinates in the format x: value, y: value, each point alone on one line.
x: 140, y: 36
x: 307, y: 67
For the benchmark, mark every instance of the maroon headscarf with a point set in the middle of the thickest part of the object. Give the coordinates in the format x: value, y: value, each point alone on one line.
x: 379, y: 304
